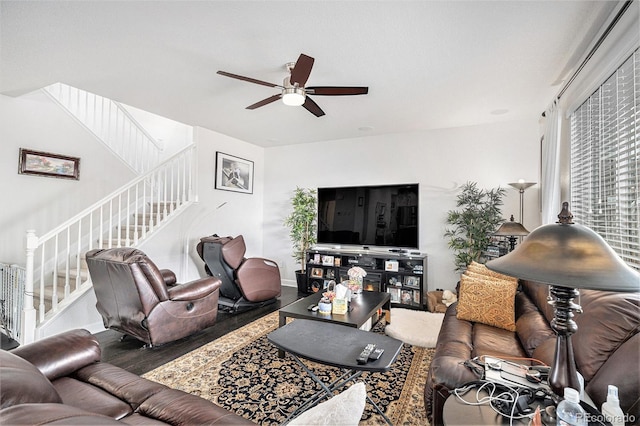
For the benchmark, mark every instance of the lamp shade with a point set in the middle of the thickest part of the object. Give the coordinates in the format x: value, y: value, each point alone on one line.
x: 511, y: 228
x: 568, y: 255
x: 521, y: 185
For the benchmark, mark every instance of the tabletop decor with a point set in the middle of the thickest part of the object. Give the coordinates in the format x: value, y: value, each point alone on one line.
x: 326, y: 303
x: 340, y: 302
x: 356, y: 275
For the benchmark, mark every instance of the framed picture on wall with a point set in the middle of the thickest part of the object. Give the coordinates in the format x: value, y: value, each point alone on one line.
x: 233, y: 173
x: 46, y: 164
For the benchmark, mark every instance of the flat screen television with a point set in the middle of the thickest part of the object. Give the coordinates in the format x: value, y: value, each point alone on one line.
x: 382, y: 215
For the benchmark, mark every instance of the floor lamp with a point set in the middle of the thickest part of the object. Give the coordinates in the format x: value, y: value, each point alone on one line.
x: 521, y: 186
x: 567, y: 256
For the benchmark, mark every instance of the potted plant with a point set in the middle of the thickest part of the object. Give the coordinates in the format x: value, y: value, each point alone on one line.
x: 473, y: 223
x: 302, y: 225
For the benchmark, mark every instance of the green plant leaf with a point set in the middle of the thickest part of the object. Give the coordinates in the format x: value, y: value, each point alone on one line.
x: 473, y: 223
x: 302, y: 223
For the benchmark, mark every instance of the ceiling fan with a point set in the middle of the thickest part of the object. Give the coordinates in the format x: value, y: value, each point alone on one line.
x: 294, y: 92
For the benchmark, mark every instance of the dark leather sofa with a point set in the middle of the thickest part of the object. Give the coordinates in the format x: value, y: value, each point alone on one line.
x: 606, y: 345
x: 60, y: 380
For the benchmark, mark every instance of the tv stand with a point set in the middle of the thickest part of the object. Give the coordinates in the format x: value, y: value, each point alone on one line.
x: 401, y: 273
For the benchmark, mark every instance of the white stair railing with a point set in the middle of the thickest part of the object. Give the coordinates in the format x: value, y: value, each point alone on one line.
x: 112, y: 124
x: 11, y: 299
x: 122, y: 219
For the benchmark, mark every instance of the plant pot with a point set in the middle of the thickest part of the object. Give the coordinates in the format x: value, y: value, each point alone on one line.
x: 301, y: 280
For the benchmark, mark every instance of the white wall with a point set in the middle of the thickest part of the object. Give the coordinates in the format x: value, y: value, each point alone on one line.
x: 217, y: 211
x: 440, y: 161
x: 34, y: 121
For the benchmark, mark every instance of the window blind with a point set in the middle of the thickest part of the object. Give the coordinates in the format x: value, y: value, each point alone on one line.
x: 605, y: 161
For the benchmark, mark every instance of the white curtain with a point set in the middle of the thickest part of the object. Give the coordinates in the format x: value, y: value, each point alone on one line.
x: 551, y: 168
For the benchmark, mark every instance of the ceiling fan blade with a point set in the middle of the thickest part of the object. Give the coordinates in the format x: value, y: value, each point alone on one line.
x: 250, y: 80
x: 312, y: 107
x: 336, y: 90
x: 301, y: 70
x: 265, y: 101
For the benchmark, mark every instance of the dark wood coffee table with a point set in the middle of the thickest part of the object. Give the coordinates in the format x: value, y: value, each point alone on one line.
x: 337, y: 346
x: 363, y: 307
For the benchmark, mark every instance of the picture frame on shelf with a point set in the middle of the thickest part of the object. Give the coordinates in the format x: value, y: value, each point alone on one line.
x: 406, y: 296
x: 317, y: 273
x: 47, y: 164
x: 416, y: 297
x: 327, y: 261
x: 394, y: 294
x: 233, y: 173
x: 411, y: 281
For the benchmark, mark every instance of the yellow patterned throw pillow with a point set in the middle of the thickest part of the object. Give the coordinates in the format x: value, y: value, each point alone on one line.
x: 489, y: 300
x: 481, y: 269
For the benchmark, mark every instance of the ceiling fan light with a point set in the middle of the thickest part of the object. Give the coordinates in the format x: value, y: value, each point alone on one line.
x: 293, y: 96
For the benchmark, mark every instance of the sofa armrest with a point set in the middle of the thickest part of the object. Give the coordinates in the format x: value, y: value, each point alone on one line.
x: 194, y: 290
x: 62, y: 354
x: 169, y: 277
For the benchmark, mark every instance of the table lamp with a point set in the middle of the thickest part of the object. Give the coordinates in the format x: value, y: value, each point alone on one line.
x: 511, y: 230
x: 567, y: 256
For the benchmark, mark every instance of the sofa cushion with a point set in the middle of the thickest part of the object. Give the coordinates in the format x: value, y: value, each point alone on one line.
x: 91, y: 398
x: 531, y: 326
x: 23, y: 383
x: 496, y: 342
x: 489, y: 301
x: 608, y: 320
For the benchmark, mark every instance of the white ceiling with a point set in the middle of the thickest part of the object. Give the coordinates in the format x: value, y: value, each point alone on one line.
x: 428, y: 64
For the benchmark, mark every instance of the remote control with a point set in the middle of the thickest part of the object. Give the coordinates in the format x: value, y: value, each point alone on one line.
x: 364, y: 355
x: 315, y: 308
x: 376, y: 354
x: 311, y: 306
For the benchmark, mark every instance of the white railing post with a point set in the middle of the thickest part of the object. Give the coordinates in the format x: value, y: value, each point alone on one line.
x: 28, y: 311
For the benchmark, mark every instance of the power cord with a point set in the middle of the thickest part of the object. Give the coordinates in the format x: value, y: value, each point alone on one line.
x: 509, y: 402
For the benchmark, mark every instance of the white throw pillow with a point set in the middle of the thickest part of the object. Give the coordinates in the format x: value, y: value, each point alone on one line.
x: 343, y: 409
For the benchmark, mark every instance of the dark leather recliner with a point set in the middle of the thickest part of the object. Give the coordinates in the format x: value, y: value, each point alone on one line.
x: 142, y: 301
x: 246, y: 283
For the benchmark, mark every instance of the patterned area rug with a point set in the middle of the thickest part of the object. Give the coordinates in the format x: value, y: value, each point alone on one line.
x: 241, y: 372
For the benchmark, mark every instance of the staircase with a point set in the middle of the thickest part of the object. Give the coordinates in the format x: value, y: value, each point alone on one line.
x: 56, y: 272
x: 111, y: 124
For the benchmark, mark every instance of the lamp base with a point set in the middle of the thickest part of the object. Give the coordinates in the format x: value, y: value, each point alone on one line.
x: 563, y: 372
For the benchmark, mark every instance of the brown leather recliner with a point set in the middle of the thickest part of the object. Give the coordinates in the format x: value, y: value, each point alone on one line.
x: 142, y: 301
x: 246, y: 283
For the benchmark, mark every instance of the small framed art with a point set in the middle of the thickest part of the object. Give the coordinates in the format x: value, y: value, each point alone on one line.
x: 317, y: 272
x: 47, y: 164
x: 233, y: 173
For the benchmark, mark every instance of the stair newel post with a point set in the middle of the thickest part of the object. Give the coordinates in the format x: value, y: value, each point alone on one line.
x: 28, y: 311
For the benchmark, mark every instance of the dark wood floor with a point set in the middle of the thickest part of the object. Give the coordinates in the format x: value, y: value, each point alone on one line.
x: 130, y: 354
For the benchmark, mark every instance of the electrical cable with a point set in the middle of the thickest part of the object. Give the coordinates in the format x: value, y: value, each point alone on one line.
x: 501, y: 398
